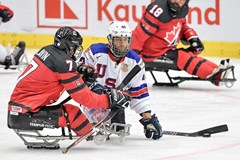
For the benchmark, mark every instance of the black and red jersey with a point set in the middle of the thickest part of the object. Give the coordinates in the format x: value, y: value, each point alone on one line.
x: 50, y: 73
x: 159, y: 30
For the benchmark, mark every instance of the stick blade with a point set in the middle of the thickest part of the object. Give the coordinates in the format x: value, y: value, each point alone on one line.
x: 213, y: 130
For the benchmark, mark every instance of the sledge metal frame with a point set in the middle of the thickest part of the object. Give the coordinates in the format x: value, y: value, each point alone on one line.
x: 40, y: 141
x: 47, y: 142
x: 174, y: 81
x: 23, y: 62
x: 112, y: 129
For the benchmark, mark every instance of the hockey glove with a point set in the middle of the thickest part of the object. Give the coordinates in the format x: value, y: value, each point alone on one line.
x: 118, y: 99
x: 152, y: 127
x: 98, y: 88
x: 89, y: 74
x: 6, y: 13
x: 196, y: 46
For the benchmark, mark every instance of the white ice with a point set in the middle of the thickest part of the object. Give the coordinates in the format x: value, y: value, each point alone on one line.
x: 195, y: 105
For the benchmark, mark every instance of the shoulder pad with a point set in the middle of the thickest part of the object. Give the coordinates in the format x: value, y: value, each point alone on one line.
x: 159, y: 9
x: 99, y: 48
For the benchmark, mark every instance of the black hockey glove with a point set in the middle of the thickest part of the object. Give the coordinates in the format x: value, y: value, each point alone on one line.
x: 89, y: 74
x: 6, y: 13
x: 196, y: 46
x: 152, y: 127
x: 118, y: 99
x: 98, y: 88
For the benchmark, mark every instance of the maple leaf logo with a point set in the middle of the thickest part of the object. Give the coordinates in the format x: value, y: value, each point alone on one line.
x: 172, y: 36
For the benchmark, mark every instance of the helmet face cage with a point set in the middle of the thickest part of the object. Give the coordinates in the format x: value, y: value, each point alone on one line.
x: 119, y: 30
x: 69, y: 40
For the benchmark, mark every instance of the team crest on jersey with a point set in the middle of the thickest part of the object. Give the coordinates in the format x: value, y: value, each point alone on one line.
x: 124, y: 67
x: 146, y: 27
x: 78, y: 83
x: 172, y: 36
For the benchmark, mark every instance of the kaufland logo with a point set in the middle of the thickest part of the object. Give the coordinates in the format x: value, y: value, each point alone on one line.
x: 57, y: 13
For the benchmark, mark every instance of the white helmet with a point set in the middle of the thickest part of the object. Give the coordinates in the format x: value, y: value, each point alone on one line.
x: 119, y: 29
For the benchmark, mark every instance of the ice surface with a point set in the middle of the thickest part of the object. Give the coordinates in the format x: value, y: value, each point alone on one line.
x: 191, y: 107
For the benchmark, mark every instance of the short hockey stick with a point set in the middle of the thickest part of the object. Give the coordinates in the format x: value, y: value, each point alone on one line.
x: 202, y: 133
x: 90, y: 132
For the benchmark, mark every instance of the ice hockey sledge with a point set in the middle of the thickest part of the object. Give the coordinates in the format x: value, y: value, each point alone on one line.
x: 34, y: 139
x: 23, y: 62
x: 165, y: 65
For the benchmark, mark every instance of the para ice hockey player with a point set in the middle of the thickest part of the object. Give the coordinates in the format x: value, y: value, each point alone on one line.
x: 115, y: 62
x: 52, y: 71
x: 7, y: 59
x: 157, y: 34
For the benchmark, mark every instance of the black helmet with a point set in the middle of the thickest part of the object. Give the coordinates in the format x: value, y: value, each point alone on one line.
x: 176, y: 10
x: 68, y: 39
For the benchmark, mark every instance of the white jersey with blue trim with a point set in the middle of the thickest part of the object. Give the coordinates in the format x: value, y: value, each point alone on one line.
x: 111, y: 73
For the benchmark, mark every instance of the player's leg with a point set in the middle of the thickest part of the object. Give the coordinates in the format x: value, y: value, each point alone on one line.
x: 119, y: 118
x: 195, y: 65
x: 78, y: 121
x: 221, y: 73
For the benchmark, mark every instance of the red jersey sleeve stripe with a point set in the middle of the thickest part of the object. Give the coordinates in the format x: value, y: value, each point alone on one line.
x: 69, y: 80
x: 145, y: 29
x: 150, y: 23
x: 71, y: 91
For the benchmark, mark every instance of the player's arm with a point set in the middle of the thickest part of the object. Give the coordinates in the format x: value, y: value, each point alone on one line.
x: 190, y: 36
x: 5, y: 13
x: 146, y: 27
x: 79, y: 91
x: 139, y: 93
x: 67, y: 72
x: 140, y: 103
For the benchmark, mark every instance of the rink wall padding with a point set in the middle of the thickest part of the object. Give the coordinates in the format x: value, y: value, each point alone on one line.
x: 36, y: 41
